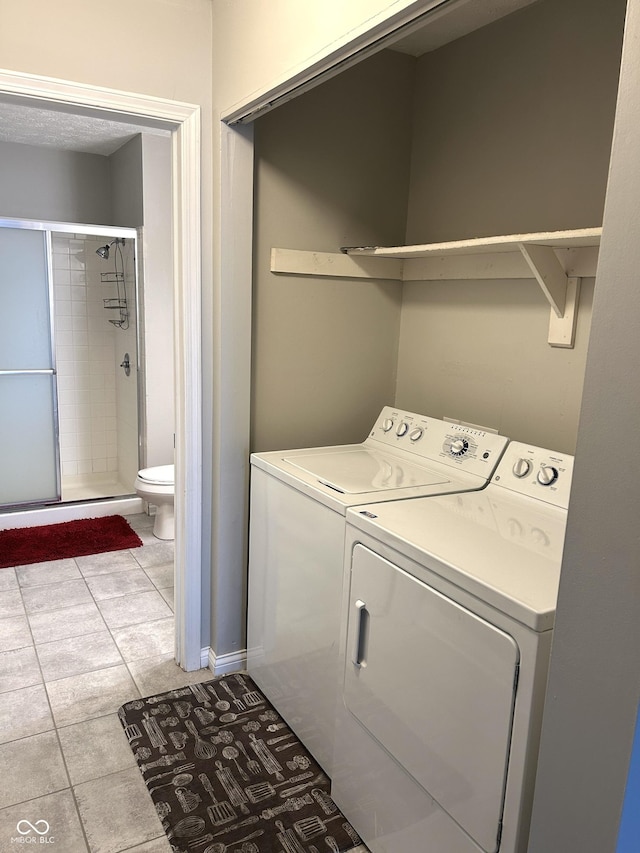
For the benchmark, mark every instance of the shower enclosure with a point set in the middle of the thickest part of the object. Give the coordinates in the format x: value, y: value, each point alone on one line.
x: 69, y: 414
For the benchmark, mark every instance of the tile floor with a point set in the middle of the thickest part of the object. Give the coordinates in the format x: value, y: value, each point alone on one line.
x: 77, y: 639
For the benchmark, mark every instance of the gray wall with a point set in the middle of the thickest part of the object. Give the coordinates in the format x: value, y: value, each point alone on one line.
x: 141, y: 192
x: 126, y: 184
x: 510, y: 130
x: 512, y: 134
x: 594, y: 683
x: 62, y: 186
x: 332, y: 169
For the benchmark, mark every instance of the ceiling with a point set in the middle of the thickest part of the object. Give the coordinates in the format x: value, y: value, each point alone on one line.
x: 29, y: 125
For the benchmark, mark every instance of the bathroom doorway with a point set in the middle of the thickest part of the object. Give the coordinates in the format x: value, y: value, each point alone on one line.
x: 69, y: 359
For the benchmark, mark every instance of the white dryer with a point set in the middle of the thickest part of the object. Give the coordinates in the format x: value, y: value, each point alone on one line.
x: 447, y: 621
x: 299, y: 499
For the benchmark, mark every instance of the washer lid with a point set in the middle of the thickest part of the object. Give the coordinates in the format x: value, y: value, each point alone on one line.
x: 161, y: 474
x: 357, y: 471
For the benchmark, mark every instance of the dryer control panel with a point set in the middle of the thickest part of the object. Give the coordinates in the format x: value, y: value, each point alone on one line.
x: 536, y: 472
x: 471, y: 449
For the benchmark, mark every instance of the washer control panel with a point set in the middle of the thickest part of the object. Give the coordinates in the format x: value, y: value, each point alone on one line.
x: 536, y: 472
x: 470, y: 448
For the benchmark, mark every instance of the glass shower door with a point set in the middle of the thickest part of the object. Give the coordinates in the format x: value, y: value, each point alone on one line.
x: 29, y: 456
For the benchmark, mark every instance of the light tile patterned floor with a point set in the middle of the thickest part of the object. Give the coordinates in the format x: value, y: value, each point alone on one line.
x: 77, y: 639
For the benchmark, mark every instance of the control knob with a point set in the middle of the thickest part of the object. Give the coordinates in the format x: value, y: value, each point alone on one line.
x: 403, y: 428
x: 547, y: 475
x: 387, y: 424
x: 416, y: 434
x: 521, y: 468
x: 458, y: 446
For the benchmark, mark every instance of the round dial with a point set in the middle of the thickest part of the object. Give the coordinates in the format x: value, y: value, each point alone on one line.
x: 459, y: 446
x: 521, y: 468
x: 416, y: 434
x: 387, y: 424
x: 403, y: 428
x: 547, y: 475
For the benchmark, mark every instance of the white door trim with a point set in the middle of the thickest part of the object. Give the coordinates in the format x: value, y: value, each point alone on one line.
x: 184, y: 122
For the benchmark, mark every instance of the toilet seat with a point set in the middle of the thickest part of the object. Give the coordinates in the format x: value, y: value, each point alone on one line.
x: 160, y: 475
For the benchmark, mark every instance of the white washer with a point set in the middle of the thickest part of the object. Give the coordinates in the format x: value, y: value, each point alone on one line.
x: 448, y: 612
x: 297, y: 532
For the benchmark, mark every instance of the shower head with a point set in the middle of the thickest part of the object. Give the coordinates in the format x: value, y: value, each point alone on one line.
x: 103, y: 251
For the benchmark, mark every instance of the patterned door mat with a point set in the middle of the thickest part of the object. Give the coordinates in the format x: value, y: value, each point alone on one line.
x: 226, y: 773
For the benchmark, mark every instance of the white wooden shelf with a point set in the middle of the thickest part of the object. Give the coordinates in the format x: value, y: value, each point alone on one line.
x: 556, y: 259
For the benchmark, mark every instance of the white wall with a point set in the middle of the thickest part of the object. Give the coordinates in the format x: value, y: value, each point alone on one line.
x: 47, y: 184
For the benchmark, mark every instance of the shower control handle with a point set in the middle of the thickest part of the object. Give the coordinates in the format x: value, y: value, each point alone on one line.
x: 126, y: 364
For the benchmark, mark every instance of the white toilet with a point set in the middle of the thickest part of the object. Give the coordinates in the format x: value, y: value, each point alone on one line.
x: 156, y: 486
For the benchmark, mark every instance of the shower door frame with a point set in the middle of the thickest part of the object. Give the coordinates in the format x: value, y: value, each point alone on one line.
x: 183, y: 120
x: 28, y: 225
x: 50, y: 228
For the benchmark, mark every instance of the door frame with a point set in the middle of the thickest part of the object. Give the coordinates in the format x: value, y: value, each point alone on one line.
x: 183, y: 120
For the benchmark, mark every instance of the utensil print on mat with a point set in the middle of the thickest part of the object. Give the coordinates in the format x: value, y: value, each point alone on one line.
x: 287, y: 838
x: 246, y: 822
x: 201, y: 694
x: 272, y: 740
x: 183, y: 709
x: 165, y: 761
x: 234, y: 791
x: 188, y: 800
x: 310, y: 827
x: 221, y: 704
x: 324, y: 801
x: 296, y: 789
x: 237, y: 702
x: 293, y: 804
x: 260, y: 791
x: 203, y: 749
x: 178, y: 739
x: 266, y: 758
x: 221, y: 847
x: 187, y: 827
x: 132, y: 732
x: 231, y: 753
x: 232, y: 718
x: 287, y: 746
x: 177, y: 781
x: 332, y: 844
x: 251, y: 698
x: 213, y: 730
x: 204, y: 717
x: 353, y: 835
x: 181, y: 769
x: 220, y: 812
x: 254, y: 767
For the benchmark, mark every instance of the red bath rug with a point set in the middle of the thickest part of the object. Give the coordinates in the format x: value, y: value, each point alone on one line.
x: 24, y: 545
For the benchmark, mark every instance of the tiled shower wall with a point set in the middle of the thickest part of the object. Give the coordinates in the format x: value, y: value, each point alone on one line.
x: 94, y: 432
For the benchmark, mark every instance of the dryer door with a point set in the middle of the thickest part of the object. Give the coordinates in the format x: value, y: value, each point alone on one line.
x: 434, y: 684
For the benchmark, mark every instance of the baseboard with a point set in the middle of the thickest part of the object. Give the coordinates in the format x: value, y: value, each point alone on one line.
x: 222, y: 664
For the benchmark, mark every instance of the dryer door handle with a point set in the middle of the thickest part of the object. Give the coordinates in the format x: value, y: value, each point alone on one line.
x: 362, y: 618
